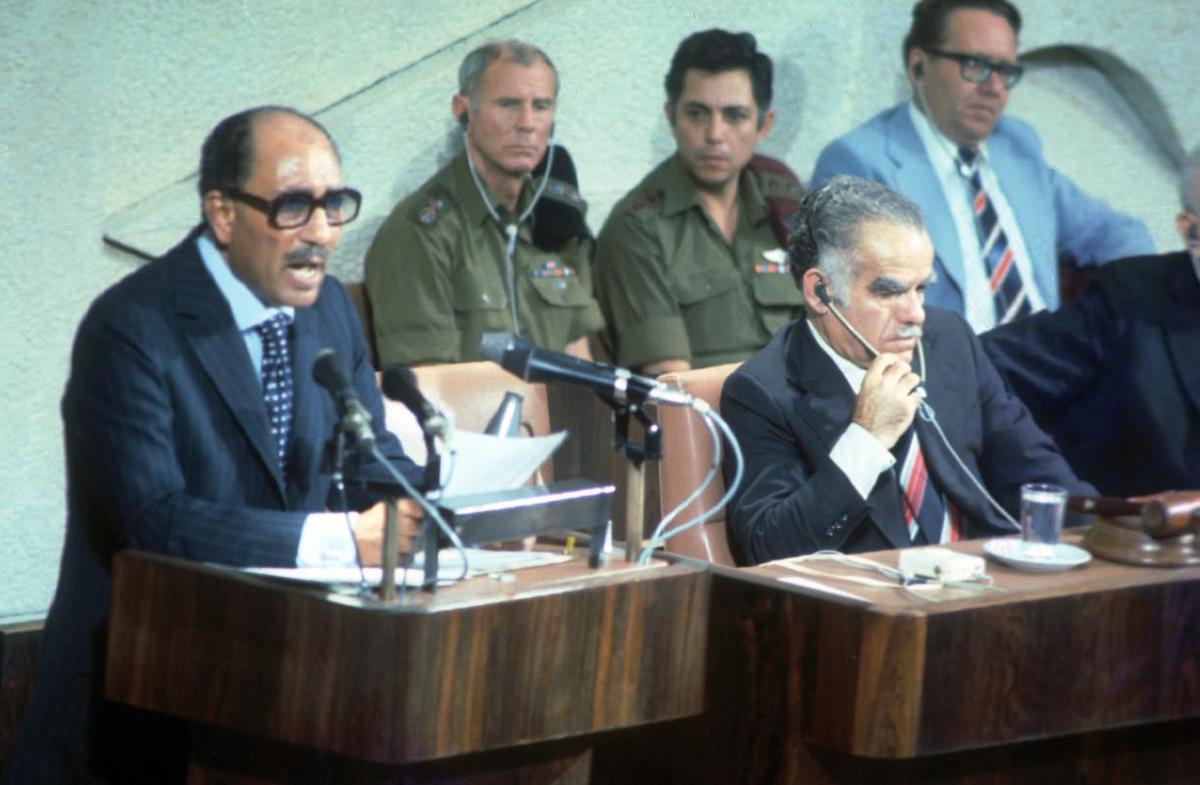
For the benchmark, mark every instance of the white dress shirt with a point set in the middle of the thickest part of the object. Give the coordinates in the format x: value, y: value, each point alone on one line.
x: 977, y: 294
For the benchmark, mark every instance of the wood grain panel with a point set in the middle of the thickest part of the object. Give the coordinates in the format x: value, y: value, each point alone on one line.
x: 560, y: 652
x: 1088, y: 676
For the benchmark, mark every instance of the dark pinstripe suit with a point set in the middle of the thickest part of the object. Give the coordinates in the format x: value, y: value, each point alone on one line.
x: 168, y: 449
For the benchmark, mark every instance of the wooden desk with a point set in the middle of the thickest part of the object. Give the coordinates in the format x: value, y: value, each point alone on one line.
x: 279, y: 678
x: 1091, y: 675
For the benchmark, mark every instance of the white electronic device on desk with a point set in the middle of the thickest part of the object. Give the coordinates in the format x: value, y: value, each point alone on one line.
x: 941, y: 565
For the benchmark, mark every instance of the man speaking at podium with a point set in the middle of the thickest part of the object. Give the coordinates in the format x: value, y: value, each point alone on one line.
x: 194, y: 427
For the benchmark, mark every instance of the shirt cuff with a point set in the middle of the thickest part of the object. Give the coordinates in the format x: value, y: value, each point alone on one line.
x: 326, y: 541
x: 861, y: 458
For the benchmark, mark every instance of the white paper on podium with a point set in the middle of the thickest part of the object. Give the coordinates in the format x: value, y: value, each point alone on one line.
x: 482, y: 561
x: 483, y: 463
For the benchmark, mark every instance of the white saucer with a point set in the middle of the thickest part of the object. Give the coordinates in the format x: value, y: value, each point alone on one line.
x: 1032, y: 558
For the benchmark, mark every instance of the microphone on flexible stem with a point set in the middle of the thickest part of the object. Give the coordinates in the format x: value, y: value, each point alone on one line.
x: 330, y: 373
x: 400, y: 384
x: 535, y: 364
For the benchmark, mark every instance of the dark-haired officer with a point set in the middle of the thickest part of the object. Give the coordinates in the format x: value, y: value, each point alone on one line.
x: 495, y: 240
x: 690, y: 266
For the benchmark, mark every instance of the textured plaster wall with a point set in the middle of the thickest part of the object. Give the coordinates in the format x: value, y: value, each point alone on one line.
x: 103, y: 108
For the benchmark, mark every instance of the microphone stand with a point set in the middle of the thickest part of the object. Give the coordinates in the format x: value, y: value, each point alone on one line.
x: 636, y: 454
x: 429, y: 530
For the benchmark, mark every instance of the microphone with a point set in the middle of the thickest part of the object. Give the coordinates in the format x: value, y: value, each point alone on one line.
x: 329, y: 372
x: 400, y: 384
x: 507, y: 419
x: 535, y: 364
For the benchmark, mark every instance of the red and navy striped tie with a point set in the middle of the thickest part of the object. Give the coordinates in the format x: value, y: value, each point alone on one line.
x: 924, y: 511
x: 1008, y: 290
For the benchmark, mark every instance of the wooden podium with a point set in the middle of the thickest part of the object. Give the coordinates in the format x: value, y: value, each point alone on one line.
x: 1087, y: 676
x: 486, y: 681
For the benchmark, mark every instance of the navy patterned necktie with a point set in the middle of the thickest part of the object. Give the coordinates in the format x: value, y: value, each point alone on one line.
x: 277, y: 381
x: 1004, y: 279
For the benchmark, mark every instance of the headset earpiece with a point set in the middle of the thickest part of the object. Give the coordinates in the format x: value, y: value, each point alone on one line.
x: 823, y: 293
x: 918, y: 69
x: 462, y: 119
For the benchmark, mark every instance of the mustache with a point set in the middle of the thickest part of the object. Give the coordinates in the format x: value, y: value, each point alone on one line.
x: 313, y: 254
x: 910, y: 331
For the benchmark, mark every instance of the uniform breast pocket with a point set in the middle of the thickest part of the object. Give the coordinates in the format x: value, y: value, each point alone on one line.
x: 778, y: 299
x: 708, y: 300
x: 480, y: 303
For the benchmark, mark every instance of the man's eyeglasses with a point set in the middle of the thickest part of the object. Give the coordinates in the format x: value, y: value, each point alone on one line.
x: 293, y: 209
x: 977, y: 69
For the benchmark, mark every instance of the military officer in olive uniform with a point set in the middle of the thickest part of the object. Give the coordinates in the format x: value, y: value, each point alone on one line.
x: 690, y: 267
x: 496, y: 240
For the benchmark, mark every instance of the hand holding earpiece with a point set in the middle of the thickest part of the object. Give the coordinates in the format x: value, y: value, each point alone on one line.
x: 889, y: 398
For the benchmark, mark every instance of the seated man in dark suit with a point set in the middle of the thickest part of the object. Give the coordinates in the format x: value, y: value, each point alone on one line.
x: 193, y: 427
x: 836, y: 456
x: 1114, y: 375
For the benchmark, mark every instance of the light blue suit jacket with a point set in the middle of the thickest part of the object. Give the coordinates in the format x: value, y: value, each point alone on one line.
x: 1055, y: 217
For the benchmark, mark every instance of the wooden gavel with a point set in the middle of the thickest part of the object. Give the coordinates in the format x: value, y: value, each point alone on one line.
x: 1166, y: 514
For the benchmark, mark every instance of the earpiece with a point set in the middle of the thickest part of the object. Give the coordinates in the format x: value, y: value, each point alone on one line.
x: 462, y: 119
x: 823, y: 294
x: 918, y: 69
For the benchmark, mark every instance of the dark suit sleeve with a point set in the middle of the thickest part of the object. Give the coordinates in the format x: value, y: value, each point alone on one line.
x: 1050, y: 358
x: 791, y: 501
x: 126, y: 415
x: 386, y: 442
x: 1015, y: 450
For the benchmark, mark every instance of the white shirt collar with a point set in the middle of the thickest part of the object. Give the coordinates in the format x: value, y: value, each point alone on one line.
x: 853, y: 374
x: 942, y: 151
x: 248, y: 310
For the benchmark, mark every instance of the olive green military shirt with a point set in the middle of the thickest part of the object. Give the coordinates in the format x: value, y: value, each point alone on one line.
x: 671, y: 286
x: 436, y: 278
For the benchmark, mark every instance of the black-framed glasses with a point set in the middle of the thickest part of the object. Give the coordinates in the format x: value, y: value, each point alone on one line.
x: 977, y: 69
x: 293, y: 209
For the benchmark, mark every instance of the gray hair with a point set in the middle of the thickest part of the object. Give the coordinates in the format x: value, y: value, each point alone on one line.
x: 824, y: 232
x: 1189, y: 182
x: 475, y: 63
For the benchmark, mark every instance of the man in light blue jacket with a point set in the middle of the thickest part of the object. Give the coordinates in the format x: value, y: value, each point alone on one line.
x: 999, y: 216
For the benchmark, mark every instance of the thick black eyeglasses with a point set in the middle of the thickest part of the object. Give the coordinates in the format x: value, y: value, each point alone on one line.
x: 293, y: 209
x: 977, y: 69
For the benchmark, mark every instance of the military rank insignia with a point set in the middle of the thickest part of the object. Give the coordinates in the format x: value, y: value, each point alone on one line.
x: 553, y: 268
x: 432, y: 209
x: 648, y: 200
x: 564, y: 192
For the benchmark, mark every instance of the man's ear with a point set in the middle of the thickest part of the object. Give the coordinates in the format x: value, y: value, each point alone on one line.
x: 809, y: 282
x: 460, y: 107
x: 1186, y: 223
x: 218, y: 210
x: 764, y: 127
x: 916, y: 66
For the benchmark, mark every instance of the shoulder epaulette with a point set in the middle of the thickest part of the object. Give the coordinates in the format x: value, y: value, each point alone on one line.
x: 565, y: 192
x: 436, y: 200
x: 777, y: 180
x: 649, y: 199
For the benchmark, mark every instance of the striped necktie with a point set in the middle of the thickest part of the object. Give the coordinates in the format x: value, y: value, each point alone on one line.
x: 925, y: 514
x: 1004, y: 279
x: 277, y: 381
